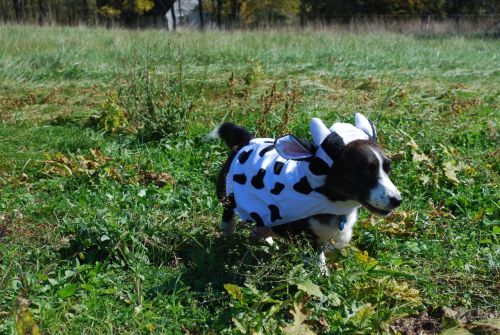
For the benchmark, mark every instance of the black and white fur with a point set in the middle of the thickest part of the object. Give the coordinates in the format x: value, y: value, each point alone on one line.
x: 360, y: 173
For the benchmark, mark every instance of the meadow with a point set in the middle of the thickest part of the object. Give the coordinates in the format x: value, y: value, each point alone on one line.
x: 108, y: 216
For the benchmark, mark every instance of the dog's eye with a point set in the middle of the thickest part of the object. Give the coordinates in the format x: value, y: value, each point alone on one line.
x: 387, y: 166
x: 373, y: 166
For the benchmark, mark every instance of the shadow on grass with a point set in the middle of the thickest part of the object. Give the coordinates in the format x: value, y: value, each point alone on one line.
x: 211, y: 260
x: 207, y: 262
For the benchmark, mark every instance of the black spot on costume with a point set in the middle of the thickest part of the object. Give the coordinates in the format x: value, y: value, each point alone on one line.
x: 243, y: 157
x: 278, y: 187
x: 240, y: 178
x: 275, y: 212
x: 266, y: 150
x: 303, y: 186
x: 278, y: 166
x: 258, y: 179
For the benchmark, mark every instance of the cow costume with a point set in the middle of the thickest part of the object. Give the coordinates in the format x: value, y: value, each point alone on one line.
x: 276, y: 182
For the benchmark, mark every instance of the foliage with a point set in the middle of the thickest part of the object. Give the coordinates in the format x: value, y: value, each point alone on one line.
x: 113, y: 117
x: 158, y: 106
x: 151, y: 106
x: 116, y: 8
x: 103, y: 233
x: 235, y: 13
x: 328, y: 10
x: 254, y: 12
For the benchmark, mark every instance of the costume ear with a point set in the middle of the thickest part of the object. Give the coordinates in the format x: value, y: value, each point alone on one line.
x: 291, y: 147
x: 365, y: 125
x: 319, y: 131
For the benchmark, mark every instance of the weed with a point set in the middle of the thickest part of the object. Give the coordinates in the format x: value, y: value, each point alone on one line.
x: 159, y: 106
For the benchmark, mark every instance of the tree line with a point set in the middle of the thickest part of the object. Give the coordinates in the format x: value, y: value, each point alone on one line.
x: 232, y: 13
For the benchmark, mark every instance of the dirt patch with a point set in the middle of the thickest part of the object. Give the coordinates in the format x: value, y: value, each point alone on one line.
x: 417, y: 325
x: 442, y: 318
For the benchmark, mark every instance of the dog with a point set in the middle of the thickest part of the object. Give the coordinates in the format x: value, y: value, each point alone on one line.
x: 291, y: 186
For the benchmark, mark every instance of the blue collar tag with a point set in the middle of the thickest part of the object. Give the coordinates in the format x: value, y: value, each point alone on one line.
x: 342, y: 222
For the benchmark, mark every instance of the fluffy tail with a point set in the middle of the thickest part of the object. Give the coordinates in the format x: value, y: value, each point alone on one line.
x: 233, y: 135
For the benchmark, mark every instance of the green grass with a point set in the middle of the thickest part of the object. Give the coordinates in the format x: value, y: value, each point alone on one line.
x: 97, y: 243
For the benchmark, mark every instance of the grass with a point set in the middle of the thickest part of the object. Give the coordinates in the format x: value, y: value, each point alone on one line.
x: 108, y: 223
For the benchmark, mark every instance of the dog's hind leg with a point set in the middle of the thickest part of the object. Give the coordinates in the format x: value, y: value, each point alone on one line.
x: 227, y: 223
x: 228, y: 202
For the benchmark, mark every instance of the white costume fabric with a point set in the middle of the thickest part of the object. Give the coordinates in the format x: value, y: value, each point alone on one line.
x: 276, y: 182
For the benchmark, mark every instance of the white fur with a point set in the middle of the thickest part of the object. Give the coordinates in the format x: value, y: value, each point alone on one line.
x: 214, y: 134
x: 331, y: 236
x: 323, y: 268
x: 380, y: 196
x: 269, y: 240
x: 326, y: 232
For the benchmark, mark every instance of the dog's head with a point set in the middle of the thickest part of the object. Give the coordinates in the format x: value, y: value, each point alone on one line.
x: 355, y: 166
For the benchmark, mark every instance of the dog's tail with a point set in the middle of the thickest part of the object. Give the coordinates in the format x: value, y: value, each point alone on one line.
x: 234, y: 136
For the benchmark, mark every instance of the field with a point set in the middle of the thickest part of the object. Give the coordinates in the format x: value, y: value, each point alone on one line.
x: 108, y: 216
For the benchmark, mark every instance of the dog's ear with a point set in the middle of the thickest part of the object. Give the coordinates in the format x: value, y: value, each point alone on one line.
x: 291, y: 147
x: 365, y: 125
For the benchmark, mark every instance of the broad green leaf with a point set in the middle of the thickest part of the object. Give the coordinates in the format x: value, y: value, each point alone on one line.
x: 67, y: 291
x: 334, y: 299
x: 239, y: 325
x: 52, y: 281
x: 310, y: 288
x: 456, y: 331
x: 362, y: 315
x: 234, y: 291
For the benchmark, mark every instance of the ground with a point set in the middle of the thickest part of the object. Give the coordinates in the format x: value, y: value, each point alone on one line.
x: 108, y: 216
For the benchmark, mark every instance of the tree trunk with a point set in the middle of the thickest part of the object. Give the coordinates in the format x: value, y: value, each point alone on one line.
x: 219, y: 13
x: 174, y: 20
x: 40, y: 13
x: 17, y: 10
x: 85, y: 12
x: 200, y: 8
x: 303, y: 13
x: 180, y: 10
x: 234, y: 12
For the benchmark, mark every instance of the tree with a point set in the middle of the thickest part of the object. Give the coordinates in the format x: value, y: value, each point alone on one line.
x: 219, y: 13
x: 127, y: 11
x: 255, y: 12
x: 200, y: 9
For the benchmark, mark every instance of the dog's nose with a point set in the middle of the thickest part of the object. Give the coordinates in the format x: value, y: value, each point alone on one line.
x: 395, y: 201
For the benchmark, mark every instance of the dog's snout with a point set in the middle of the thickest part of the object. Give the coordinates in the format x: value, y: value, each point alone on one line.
x: 395, y: 201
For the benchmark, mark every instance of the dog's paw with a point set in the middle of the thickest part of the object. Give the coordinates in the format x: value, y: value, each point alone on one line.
x: 269, y: 241
x: 262, y: 232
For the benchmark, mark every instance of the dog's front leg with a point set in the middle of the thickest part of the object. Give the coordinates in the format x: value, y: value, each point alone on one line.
x: 323, y: 268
